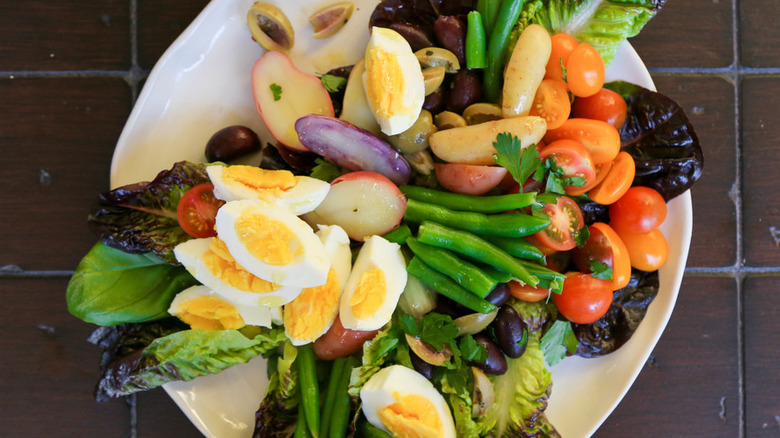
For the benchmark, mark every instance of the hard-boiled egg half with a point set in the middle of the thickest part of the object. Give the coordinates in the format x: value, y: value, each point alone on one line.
x: 313, y: 311
x: 273, y: 243
x: 202, y: 308
x: 374, y: 286
x: 393, y: 81
x: 210, y: 262
x: 404, y: 403
x: 299, y: 194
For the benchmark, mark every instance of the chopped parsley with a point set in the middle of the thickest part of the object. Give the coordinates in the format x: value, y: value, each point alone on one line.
x: 522, y: 163
x: 559, y: 341
x: 333, y: 83
x: 600, y: 270
x: 276, y: 89
x: 440, y: 333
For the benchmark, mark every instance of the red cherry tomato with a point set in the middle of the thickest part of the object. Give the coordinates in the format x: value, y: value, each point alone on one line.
x: 565, y: 222
x: 584, y: 298
x: 606, y: 105
x: 524, y: 292
x: 648, y: 251
x: 601, y: 172
x: 606, y: 246
x: 562, y: 46
x: 552, y: 103
x: 197, y: 211
x: 575, y: 161
x: 640, y: 210
x: 617, y: 181
x: 585, y: 71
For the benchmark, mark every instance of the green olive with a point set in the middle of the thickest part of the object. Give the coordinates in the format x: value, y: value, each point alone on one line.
x: 270, y: 27
x: 415, y: 138
x: 433, y: 77
x: 438, y: 57
x: 477, y: 113
x: 448, y: 120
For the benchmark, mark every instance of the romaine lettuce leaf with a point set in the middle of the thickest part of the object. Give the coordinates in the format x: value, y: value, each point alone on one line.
x: 278, y: 411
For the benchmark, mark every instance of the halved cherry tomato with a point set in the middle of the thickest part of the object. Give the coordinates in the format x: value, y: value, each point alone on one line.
x: 601, y: 139
x: 546, y: 250
x: 606, y: 105
x: 197, y: 211
x: 575, y: 161
x: 585, y: 71
x: 640, y: 210
x: 565, y: 222
x: 528, y: 293
x: 648, y: 251
x: 584, y: 298
x: 601, y: 172
x: 617, y: 182
x: 562, y: 46
x: 552, y: 103
x: 606, y: 246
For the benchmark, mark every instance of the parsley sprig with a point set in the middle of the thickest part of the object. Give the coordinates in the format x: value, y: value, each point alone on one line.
x: 440, y: 332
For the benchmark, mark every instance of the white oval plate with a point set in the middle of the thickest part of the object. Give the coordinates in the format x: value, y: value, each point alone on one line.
x: 201, y: 84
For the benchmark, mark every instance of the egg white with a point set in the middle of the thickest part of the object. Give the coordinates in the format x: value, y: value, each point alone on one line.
x: 302, y: 198
x: 376, y: 253
x: 252, y: 315
x: 395, y: 382
x: 307, y: 269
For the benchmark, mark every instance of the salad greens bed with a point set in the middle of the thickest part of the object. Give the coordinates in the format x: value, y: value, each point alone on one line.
x: 125, y: 284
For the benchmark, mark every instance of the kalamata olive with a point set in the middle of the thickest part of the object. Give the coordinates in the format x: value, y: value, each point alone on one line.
x: 434, y: 102
x: 495, y: 363
x: 465, y: 90
x: 446, y: 306
x: 511, y: 332
x: 451, y: 33
x: 415, y: 35
x: 498, y: 295
x: 231, y: 143
x: 297, y: 160
x: 421, y: 366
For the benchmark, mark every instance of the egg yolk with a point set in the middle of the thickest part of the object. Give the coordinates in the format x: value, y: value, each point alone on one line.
x: 259, y: 180
x: 369, y: 293
x: 268, y: 240
x: 210, y: 313
x: 384, y: 83
x: 309, y: 313
x: 412, y: 416
x: 222, y: 265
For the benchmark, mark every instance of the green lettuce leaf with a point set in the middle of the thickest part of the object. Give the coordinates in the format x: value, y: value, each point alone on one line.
x: 376, y: 353
x: 183, y: 355
x: 278, y: 411
x: 111, y: 287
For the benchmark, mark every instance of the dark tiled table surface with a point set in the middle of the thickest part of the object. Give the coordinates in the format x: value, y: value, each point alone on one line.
x: 69, y: 72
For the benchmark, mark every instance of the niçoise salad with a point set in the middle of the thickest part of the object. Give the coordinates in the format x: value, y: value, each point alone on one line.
x: 431, y: 228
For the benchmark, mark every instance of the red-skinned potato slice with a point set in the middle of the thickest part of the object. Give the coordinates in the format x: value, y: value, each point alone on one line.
x: 341, y: 342
x: 468, y: 178
x: 283, y: 94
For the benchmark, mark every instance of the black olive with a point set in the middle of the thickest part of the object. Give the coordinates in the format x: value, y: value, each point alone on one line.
x: 231, y: 143
x: 511, y: 332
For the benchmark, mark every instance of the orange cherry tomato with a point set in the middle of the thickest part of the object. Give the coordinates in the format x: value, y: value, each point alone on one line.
x: 600, y: 138
x: 575, y: 161
x: 552, y: 103
x: 584, y: 298
x: 585, y: 71
x: 601, y: 173
x: 647, y: 251
x: 606, y: 105
x: 621, y: 258
x: 528, y: 293
x: 562, y: 46
x: 640, y: 210
x: 617, y: 182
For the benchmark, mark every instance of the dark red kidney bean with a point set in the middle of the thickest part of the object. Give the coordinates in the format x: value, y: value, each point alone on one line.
x: 231, y: 143
x: 451, y: 33
x: 498, y: 295
x: 495, y: 364
x: 434, y: 102
x: 421, y: 366
x: 511, y: 332
x: 416, y: 36
x: 465, y: 89
x: 297, y: 159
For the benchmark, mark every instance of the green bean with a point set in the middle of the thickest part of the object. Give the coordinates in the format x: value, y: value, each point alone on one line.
x: 506, y: 18
x: 461, y: 202
x: 475, y: 41
x: 517, y: 247
x: 310, y: 390
x: 398, y: 235
x: 545, y: 274
x: 509, y: 224
x: 462, y: 272
x: 301, y: 429
x: 489, y: 10
x: 330, y: 394
x: 475, y: 248
x: 368, y: 430
x: 500, y: 276
x: 447, y: 287
x: 342, y: 403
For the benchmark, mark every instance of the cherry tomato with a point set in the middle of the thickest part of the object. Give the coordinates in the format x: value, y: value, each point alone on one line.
x: 606, y: 246
x: 341, y: 342
x: 562, y: 46
x: 617, y: 182
x: 546, y: 250
x: 640, y: 210
x: 606, y: 105
x: 565, y: 222
x: 585, y: 71
x: 197, y: 211
x: 528, y: 293
x: 552, y: 103
x: 601, y: 139
x: 648, y: 251
x: 575, y: 161
x: 601, y: 172
x: 584, y: 298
